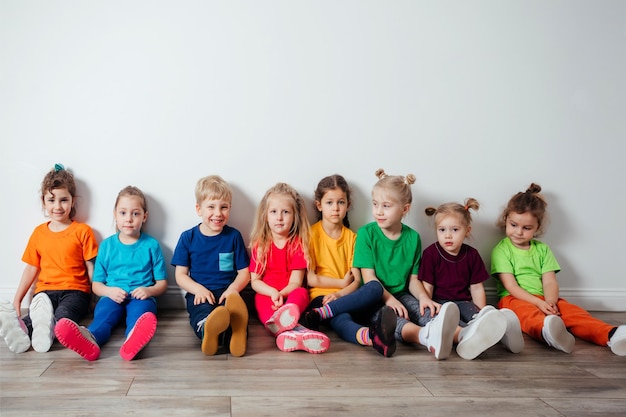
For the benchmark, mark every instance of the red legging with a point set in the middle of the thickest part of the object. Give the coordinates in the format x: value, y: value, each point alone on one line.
x: 577, y: 320
x: 264, y: 305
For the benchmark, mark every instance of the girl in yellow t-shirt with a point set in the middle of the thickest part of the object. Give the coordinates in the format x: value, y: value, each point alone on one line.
x: 337, y: 296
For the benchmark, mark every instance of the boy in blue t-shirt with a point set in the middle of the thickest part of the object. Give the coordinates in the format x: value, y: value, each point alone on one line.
x: 211, y: 264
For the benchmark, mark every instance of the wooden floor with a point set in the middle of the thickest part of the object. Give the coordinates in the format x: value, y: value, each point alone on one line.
x: 172, y: 377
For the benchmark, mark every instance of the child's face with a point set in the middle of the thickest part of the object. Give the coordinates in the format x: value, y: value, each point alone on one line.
x: 280, y: 215
x: 451, y: 232
x: 214, y: 214
x: 387, y: 211
x: 130, y: 217
x: 521, y: 228
x: 58, y: 204
x: 334, y: 206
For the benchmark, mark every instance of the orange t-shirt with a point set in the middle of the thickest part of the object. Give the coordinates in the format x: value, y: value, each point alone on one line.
x: 61, y: 256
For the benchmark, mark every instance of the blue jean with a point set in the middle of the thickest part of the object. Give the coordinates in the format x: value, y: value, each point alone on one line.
x: 70, y: 304
x: 353, y: 309
x: 108, y: 314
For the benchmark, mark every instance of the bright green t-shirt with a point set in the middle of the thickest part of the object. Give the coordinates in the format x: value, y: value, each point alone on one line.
x: 393, y: 261
x: 526, y: 265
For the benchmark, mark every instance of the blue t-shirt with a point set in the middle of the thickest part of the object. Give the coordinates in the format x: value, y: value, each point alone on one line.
x: 129, y: 266
x: 213, y: 261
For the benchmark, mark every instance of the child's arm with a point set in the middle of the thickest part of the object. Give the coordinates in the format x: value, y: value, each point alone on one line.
x: 479, y: 298
x: 295, y: 281
x: 28, y: 277
x: 321, y: 281
x: 90, y: 268
x: 143, y: 293
x: 416, y: 288
x: 354, y: 275
x: 551, y: 290
x: 370, y: 275
x: 511, y: 285
x: 240, y: 282
x: 260, y: 287
x: 200, y: 292
x: 114, y: 293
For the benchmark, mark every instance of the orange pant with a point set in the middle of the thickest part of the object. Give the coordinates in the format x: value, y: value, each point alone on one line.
x: 577, y: 320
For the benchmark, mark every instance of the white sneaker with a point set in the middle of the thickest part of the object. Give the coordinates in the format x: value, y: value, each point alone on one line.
x: 556, y: 335
x: 513, y: 338
x: 481, y: 333
x: 12, y: 329
x: 42, y: 315
x: 438, y: 334
x: 617, y: 343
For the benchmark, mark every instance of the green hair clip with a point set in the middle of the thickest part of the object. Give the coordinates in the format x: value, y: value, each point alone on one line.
x: 58, y: 167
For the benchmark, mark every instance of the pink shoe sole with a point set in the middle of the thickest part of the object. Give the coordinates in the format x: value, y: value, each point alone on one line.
x: 72, y: 337
x: 283, y: 319
x: 303, y: 339
x: 139, y: 336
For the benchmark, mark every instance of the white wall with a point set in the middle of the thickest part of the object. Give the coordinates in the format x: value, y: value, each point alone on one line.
x: 476, y: 98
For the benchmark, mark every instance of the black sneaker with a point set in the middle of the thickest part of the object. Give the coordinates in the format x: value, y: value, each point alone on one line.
x: 311, y: 320
x: 382, y: 331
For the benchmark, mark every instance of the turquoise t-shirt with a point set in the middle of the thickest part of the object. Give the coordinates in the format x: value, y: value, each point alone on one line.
x: 526, y: 265
x: 129, y: 266
x: 393, y: 261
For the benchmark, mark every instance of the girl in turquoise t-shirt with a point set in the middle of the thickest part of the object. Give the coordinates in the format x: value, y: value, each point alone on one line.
x: 128, y: 275
x: 389, y: 251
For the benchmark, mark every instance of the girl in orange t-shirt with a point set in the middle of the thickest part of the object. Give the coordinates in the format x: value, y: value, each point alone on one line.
x: 59, y: 258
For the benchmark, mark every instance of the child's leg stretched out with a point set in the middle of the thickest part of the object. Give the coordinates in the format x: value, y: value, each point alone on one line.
x: 141, y: 323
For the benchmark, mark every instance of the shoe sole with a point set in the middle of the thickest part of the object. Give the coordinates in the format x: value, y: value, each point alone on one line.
x: 450, y: 315
x: 42, y: 316
x: 11, y: 329
x: 140, y: 335
x: 309, y: 341
x: 69, y: 335
x: 238, y: 323
x: 562, y: 339
x: 217, y: 323
x: 513, y: 338
x: 285, y: 318
x: 385, y: 342
x: 489, y: 331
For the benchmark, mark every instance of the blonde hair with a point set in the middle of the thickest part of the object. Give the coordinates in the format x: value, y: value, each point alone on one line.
x: 213, y: 187
x: 461, y: 210
x: 261, y: 236
x: 398, y: 185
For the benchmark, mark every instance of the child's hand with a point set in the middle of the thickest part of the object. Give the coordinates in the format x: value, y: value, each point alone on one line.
x: 277, y: 299
x: 548, y: 308
x: 429, y: 303
x: 140, y: 293
x: 203, y: 296
x: 347, y: 279
x: 330, y: 297
x: 398, y: 307
x: 116, y: 294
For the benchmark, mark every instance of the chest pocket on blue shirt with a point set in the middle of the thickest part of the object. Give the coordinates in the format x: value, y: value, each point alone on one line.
x: 227, y: 261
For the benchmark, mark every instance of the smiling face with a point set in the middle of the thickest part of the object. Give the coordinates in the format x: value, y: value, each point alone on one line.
x: 451, y: 232
x: 280, y: 216
x: 215, y: 214
x: 58, y: 205
x: 130, y: 217
x: 333, y: 206
x: 521, y: 228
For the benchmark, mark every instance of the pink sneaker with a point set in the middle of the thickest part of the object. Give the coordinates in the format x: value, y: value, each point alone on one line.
x: 77, y: 338
x: 301, y: 338
x: 283, y: 319
x: 139, y: 336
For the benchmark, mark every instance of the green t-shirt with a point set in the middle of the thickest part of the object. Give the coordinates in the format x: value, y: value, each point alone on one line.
x: 393, y: 261
x: 526, y: 265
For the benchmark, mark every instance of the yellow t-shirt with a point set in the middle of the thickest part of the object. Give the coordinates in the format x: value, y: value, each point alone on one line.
x: 61, y: 256
x: 331, y: 258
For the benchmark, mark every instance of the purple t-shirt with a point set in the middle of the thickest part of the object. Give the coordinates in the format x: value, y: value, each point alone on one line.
x: 451, y: 275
